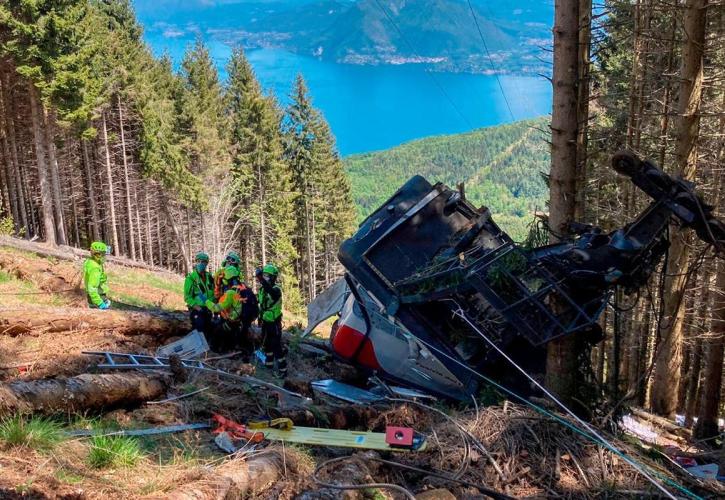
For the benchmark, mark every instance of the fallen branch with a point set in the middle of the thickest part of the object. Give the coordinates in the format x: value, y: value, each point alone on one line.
x: 16, y: 321
x: 86, y: 392
x: 662, y: 422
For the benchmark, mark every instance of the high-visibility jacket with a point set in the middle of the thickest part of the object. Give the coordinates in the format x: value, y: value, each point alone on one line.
x: 219, y: 282
x: 95, y: 281
x: 196, y: 284
x: 270, y: 310
x: 231, y: 304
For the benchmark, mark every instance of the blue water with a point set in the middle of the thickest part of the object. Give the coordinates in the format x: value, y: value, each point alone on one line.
x: 376, y: 107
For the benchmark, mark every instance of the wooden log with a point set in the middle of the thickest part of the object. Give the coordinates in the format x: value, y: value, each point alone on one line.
x: 158, y: 323
x: 72, y: 253
x: 87, y: 392
x: 661, y: 422
x: 237, y: 478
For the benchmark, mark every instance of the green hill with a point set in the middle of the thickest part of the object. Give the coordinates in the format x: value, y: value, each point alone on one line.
x: 501, y: 167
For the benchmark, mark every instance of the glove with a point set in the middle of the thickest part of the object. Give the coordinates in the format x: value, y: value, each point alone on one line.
x: 105, y: 305
x: 201, y: 297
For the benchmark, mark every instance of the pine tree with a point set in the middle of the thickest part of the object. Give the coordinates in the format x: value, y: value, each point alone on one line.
x: 261, y: 178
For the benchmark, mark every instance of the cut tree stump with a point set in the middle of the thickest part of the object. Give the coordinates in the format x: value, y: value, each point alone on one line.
x: 237, y: 478
x: 87, y: 392
x: 16, y: 321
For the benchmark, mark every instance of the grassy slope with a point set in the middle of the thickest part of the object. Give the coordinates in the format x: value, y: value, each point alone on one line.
x: 132, y: 287
x: 501, y: 167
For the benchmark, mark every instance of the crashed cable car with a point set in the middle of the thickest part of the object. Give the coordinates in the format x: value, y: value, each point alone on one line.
x: 432, y: 282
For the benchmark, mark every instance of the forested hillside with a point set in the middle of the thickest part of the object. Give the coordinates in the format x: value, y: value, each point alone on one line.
x: 503, y: 168
x: 100, y: 140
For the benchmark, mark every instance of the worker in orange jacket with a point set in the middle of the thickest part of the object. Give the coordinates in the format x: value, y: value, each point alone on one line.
x: 235, y: 311
x: 232, y: 259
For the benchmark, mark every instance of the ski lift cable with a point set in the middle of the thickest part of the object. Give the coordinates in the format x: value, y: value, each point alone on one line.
x: 430, y: 75
x: 592, y: 436
x: 490, y: 59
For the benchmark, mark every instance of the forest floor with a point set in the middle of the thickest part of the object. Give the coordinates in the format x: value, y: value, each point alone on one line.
x: 502, y: 446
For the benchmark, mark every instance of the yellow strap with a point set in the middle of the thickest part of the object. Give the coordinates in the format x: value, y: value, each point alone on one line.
x: 334, y: 437
x: 277, y: 423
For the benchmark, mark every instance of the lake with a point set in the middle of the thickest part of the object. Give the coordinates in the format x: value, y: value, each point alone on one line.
x: 376, y: 107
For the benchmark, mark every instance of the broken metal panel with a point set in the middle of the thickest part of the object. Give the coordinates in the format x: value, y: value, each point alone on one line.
x: 190, y: 346
x: 345, y: 392
x: 326, y: 305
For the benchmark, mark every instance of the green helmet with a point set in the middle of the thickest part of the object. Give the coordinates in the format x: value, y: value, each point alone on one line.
x: 202, y: 257
x: 230, y: 272
x: 233, y: 257
x: 99, y: 247
x: 270, y: 269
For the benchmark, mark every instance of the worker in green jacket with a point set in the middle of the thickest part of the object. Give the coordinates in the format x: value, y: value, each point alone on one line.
x: 236, y: 309
x: 198, y: 287
x: 270, y: 319
x: 94, y: 277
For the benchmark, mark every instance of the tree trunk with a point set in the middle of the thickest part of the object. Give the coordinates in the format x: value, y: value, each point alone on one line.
x: 563, y: 354
x: 80, y: 394
x: 95, y: 233
x: 12, y: 141
x: 46, y: 197
x: 139, y: 231
x: 129, y: 211
x: 667, y: 367
x: 109, y: 178
x: 177, y: 235
x: 148, y: 227
x: 693, y: 384
x: 666, y: 100
x: 706, y: 425
x: 55, y: 177
x: 262, y: 218
x: 62, y: 319
x: 8, y: 172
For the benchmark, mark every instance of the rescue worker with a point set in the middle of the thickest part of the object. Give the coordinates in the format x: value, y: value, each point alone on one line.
x: 198, y: 287
x: 232, y: 309
x: 232, y: 259
x: 270, y: 319
x: 94, y: 277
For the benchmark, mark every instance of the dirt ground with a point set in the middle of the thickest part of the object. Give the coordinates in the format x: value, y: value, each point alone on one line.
x: 504, y: 447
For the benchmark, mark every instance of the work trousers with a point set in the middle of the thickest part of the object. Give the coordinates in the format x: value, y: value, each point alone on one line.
x: 200, y: 320
x: 273, y: 350
x: 225, y: 335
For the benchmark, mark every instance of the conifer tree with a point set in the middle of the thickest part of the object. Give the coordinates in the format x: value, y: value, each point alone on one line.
x: 323, y: 205
x: 262, y: 180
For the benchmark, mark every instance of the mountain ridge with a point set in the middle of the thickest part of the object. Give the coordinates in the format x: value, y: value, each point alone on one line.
x: 441, y: 34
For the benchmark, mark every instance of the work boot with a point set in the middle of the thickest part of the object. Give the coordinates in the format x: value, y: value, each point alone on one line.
x: 280, y: 370
x: 269, y: 359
